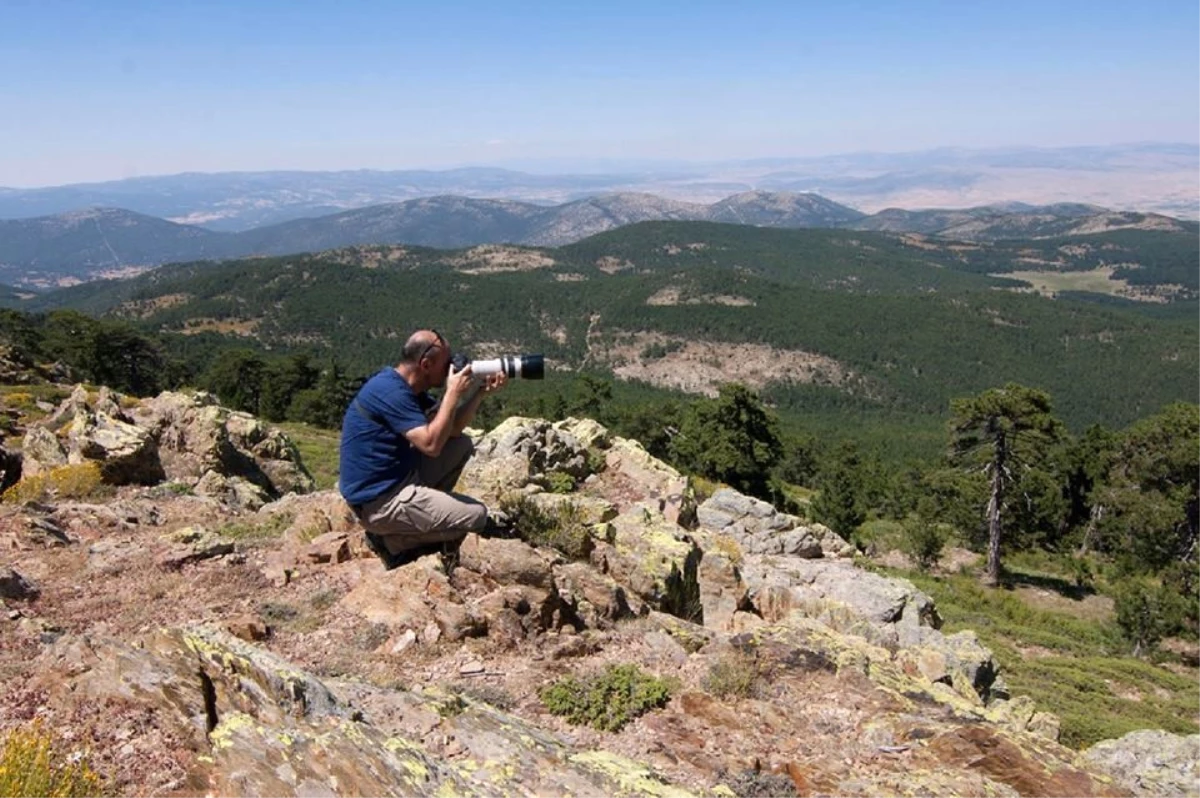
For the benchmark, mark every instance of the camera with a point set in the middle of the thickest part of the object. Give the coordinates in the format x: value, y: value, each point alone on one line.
x: 525, y: 367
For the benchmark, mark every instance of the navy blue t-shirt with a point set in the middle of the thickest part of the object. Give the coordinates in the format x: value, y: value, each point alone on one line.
x: 375, y: 455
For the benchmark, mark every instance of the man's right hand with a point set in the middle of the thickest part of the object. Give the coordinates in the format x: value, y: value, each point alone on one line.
x: 458, y: 383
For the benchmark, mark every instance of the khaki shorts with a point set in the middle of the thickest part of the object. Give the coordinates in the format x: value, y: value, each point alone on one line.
x: 422, y: 510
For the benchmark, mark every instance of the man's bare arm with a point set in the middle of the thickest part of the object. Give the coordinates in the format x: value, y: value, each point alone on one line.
x: 466, y: 413
x: 430, y: 438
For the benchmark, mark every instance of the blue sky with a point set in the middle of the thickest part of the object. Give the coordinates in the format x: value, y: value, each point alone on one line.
x: 104, y: 90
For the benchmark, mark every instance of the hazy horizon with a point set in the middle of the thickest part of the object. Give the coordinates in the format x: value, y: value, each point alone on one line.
x: 584, y: 165
x: 124, y: 89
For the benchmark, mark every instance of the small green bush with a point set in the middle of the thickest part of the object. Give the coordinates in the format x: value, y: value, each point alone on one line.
x: 1146, y: 612
x: 561, y: 527
x: 606, y: 701
x: 923, y: 540
x: 560, y: 482
x: 31, y: 764
x: 732, y: 675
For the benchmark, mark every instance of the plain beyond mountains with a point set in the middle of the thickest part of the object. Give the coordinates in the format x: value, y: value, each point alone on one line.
x: 1147, y: 177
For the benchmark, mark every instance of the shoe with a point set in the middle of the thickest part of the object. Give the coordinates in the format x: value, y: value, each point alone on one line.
x: 376, y: 544
x: 498, y: 525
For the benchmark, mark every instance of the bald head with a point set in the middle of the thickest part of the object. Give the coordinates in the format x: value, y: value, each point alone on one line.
x: 421, y: 344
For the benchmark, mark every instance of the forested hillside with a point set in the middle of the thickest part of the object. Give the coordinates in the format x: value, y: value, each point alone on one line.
x: 826, y: 320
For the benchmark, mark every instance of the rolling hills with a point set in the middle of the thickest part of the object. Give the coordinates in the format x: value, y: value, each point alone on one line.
x: 67, y: 248
x: 58, y: 250
x: 822, y: 321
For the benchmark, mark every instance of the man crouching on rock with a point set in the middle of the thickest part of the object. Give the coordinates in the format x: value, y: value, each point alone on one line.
x: 402, y: 452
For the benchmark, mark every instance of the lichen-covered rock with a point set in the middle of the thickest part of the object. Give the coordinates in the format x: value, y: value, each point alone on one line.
x: 127, y: 453
x: 233, y: 492
x: 646, y: 480
x: 193, y: 544
x: 1150, y: 762
x: 519, y: 452
x: 257, y: 725
x: 196, y: 435
x: 761, y: 529
x: 589, y: 433
x: 41, y: 451
x: 654, y: 557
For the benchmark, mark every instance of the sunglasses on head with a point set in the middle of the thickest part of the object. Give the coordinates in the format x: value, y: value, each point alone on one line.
x: 438, y: 340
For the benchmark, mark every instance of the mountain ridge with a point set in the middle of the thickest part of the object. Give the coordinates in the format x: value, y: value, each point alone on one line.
x: 62, y: 249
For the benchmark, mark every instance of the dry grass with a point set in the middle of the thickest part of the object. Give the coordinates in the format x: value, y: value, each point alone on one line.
x: 1097, y: 281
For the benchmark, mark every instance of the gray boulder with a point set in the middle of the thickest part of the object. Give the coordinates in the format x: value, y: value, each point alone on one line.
x: 761, y: 529
x: 195, y: 435
x: 1150, y: 762
x: 780, y: 585
x: 518, y: 453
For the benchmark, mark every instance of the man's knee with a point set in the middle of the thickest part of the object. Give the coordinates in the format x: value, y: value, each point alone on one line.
x: 458, y: 449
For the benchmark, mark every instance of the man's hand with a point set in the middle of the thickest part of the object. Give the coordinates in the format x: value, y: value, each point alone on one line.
x: 495, y: 382
x: 458, y: 383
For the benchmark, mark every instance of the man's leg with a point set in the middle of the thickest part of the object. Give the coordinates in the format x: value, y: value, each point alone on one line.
x: 442, y: 472
x: 416, y: 515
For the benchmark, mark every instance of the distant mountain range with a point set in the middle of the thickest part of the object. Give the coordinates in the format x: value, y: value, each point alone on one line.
x: 108, y: 242
x: 1148, y: 177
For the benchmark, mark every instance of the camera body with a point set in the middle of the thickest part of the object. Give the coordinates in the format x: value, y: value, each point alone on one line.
x: 525, y: 367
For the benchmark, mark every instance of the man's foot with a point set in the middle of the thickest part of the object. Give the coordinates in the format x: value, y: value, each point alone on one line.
x: 498, y: 525
x: 376, y: 544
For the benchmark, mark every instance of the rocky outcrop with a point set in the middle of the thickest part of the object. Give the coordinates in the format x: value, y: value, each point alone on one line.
x: 257, y: 725
x: 196, y: 437
x: 759, y: 528
x: 127, y: 453
x: 1150, y: 762
x: 188, y: 438
x: 522, y: 452
x: 788, y: 673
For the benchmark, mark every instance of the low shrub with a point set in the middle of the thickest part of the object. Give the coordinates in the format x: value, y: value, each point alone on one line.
x: 761, y: 784
x: 561, y: 527
x: 32, y: 763
x: 606, y: 701
x: 75, y: 481
x: 923, y: 540
x: 733, y: 675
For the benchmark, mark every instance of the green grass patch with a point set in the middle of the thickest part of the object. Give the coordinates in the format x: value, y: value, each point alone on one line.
x: 1099, y: 698
x: 318, y: 449
x: 250, y: 532
x: 1078, y: 668
x: 1052, y: 283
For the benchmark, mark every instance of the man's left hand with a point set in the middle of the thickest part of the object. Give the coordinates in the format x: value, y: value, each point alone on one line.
x: 495, y: 382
